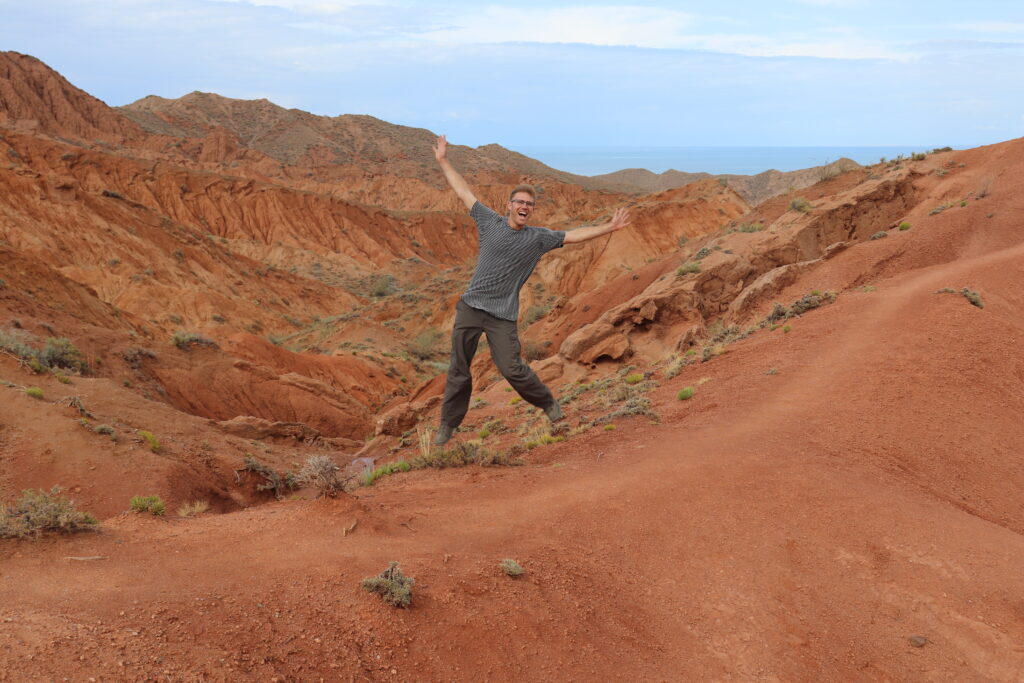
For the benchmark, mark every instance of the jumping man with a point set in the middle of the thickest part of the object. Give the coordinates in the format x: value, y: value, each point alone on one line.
x: 509, y: 251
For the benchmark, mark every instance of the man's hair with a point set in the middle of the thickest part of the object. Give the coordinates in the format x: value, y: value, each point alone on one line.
x: 528, y: 189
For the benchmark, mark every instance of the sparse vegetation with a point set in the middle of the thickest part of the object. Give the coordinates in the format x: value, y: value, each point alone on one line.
x: 193, y: 509
x: 424, y: 345
x: 800, y: 204
x: 152, y: 442
x: 702, y: 253
x: 881, y: 234
x: 686, y: 393
x: 278, y: 482
x: 57, y: 352
x: 800, y: 306
x: 186, y: 340
x: 394, y: 587
x: 381, y: 285
x: 321, y: 473
x: 969, y: 294
x: 634, y: 378
x: 151, y: 504
x: 39, y: 511
x: 34, y: 392
x: 688, y: 268
x: 104, y: 429
x: 511, y: 567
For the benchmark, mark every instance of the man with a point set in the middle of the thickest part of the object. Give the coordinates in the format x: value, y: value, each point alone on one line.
x: 509, y: 251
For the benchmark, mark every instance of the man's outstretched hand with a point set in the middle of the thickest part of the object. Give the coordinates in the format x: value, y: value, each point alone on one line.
x: 620, y: 219
x: 441, y: 148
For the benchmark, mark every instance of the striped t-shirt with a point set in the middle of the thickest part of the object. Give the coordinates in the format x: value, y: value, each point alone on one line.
x: 507, y: 257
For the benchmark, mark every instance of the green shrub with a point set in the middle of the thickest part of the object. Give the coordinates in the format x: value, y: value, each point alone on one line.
x: 787, y: 328
x: 152, y: 504
x: 394, y: 587
x: 186, y: 340
x: 278, y: 482
x: 511, y: 567
x: 973, y: 297
x: 424, y: 345
x: 800, y: 204
x: 635, y: 378
x: 904, y: 226
x: 61, y: 353
x: 152, y: 443
x: 104, y: 429
x: 39, y: 511
x: 34, y: 392
x: 686, y: 393
x: 688, y: 268
x: 609, y: 427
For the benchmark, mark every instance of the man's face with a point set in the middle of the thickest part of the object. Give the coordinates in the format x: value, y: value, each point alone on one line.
x: 520, y: 207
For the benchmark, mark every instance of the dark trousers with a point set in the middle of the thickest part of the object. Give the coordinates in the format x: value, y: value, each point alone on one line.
x: 503, y: 339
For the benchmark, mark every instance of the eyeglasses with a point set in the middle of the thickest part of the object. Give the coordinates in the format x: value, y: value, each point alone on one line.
x: 523, y: 202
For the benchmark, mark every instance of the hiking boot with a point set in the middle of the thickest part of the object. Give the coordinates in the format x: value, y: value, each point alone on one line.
x: 554, y: 412
x: 444, y: 433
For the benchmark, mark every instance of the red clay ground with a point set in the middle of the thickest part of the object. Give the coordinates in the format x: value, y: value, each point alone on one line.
x: 802, y: 525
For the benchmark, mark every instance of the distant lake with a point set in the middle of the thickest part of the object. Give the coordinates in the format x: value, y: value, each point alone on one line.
x: 740, y: 160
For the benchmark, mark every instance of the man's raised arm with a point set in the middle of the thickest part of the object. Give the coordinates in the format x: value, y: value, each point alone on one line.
x: 456, y: 181
x: 619, y: 221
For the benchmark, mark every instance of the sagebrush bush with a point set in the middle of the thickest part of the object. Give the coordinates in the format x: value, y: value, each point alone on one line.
x: 511, y: 567
x: 278, y: 482
x: 394, y: 587
x: 800, y: 204
x: 59, y: 352
x: 321, y: 473
x: 39, y: 511
x: 186, y: 340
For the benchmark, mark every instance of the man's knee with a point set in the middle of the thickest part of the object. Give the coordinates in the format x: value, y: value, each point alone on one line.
x: 515, y: 371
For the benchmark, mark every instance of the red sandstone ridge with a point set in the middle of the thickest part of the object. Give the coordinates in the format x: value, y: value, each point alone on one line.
x: 838, y: 499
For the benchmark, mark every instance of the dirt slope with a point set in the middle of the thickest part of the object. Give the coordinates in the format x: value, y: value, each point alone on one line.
x: 839, y: 499
x: 801, y: 525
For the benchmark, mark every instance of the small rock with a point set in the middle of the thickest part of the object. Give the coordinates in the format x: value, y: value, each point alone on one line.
x: 918, y: 641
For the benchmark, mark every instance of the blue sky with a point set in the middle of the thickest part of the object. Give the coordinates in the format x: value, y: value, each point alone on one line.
x: 788, y: 72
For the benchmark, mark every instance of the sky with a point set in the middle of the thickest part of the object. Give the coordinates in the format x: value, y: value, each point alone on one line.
x: 588, y: 73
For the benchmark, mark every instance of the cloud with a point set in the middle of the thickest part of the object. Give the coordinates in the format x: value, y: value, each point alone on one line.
x: 991, y: 26
x: 622, y: 25
x: 310, y: 6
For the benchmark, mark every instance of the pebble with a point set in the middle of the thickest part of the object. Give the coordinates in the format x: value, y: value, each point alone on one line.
x: 918, y: 641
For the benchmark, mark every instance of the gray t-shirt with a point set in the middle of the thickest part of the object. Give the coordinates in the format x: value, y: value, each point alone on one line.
x: 507, y: 258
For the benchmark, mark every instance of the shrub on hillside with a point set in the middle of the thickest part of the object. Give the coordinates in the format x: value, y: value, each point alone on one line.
x: 186, y: 340
x: 800, y: 204
x: 151, y: 504
x: 321, y: 473
x: 39, y: 511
